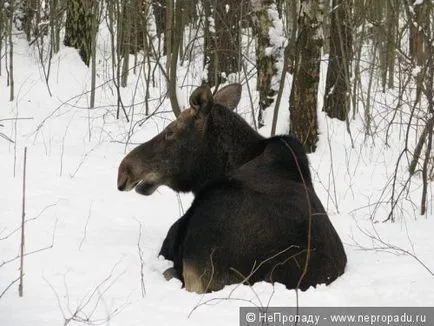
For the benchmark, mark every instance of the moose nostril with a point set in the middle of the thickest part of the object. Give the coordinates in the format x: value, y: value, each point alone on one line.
x: 122, y: 184
x: 122, y: 176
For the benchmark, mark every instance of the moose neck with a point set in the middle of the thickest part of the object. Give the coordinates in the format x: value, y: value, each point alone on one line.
x: 232, y: 143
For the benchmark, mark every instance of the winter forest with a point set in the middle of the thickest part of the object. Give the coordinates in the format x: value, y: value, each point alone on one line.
x: 83, y: 82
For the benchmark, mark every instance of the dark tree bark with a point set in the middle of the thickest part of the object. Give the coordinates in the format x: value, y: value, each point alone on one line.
x: 56, y: 18
x: 78, y: 27
x: 159, y: 10
x: 124, y: 37
x: 189, y: 11
x: 419, y: 22
x: 29, y: 9
x: 303, y: 98
x: 223, y: 44
x: 337, y: 92
x: 176, y: 43
x: 137, y: 14
x: 2, y: 25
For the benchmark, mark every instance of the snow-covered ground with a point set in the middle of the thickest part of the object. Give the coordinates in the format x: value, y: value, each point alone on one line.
x: 92, y: 250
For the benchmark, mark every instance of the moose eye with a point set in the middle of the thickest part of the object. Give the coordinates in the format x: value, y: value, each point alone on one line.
x: 169, y: 134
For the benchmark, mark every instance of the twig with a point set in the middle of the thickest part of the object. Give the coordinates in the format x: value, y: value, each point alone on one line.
x: 16, y: 118
x: 2, y: 135
x: 142, y: 262
x: 82, y: 161
x: 9, y: 286
x: 34, y: 251
x: 27, y: 221
x: 245, y: 279
x: 180, y: 206
x: 389, y: 248
x: 62, y: 151
x: 85, y: 228
x: 23, y: 221
x: 250, y: 98
x: 87, y: 306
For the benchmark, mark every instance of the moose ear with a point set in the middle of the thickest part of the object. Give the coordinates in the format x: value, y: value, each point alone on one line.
x: 229, y: 96
x: 201, y: 100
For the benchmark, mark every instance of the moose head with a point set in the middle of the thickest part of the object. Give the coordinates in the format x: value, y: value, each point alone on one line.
x: 198, y: 146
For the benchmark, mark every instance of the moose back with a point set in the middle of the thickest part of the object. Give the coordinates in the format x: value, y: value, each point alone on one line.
x: 255, y: 215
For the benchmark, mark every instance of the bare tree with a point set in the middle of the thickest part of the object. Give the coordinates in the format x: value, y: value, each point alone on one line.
x: 337, y: 91
x: 303, y: 98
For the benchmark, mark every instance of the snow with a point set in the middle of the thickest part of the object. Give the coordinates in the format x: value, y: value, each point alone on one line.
x: 88, y: 236
x: 278, y: 43
x: 416, y: 71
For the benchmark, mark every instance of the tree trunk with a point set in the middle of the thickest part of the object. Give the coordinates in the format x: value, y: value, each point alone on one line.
x: 78, y: 27
x: 223, y: 44
x: 159, y: 10
x: 125, y: 30
x: 11, y: 81
x: 337, y: 91
x: 168, y: 36
x: 263, y: 20
x: 419, y: 19
x: 416, y: 37
x: 303, y: 98
x: 93, y: 60
x: 392, y: 42
x: 292, y: 25
x: 176, y: 43
x: 55, y: 24
x: 137, y: 16
x: 189, y: 12
x: 2, y: 34
x: 30, y: 7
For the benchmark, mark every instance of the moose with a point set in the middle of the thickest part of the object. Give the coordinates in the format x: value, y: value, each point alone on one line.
x: 255, y: 214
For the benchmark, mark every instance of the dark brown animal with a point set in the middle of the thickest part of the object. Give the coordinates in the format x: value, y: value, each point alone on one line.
x: 255, y: 212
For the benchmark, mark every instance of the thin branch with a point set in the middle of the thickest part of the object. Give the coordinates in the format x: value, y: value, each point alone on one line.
x: 23, y: 219
x: 28, y: 220
x: 51, y: 245
x: 142, y: 261
x: 389, y: 248
x: 9, y: 286
x: 85, y: 227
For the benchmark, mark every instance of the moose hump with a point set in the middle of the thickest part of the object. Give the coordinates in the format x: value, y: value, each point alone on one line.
x: 255, y: 216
